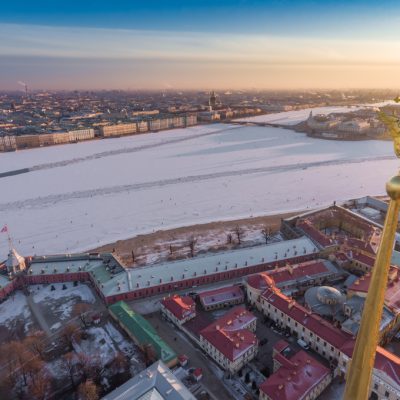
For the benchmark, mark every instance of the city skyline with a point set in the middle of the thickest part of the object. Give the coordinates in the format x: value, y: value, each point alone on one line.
x: 266, y: 45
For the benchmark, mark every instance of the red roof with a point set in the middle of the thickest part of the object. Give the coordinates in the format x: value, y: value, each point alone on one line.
x: 315, y: 234
x: 310, y: 226
x: 385, y: 361
x: 221, y: 295
x: 340, y: 256
x: 198, y: 372
x: 260, y: 281
x: 392, y: 295
x: 389, y: 363
x: 280, y: 345
x: 362, y: 258
x: 230, y: 335
x: 303, y: 316
x: 181, y: 307
x: 298, y: 271
x: 296, y: 377
x: 295, y: 272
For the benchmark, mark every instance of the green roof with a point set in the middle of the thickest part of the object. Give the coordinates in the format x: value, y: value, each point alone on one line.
x: 142, y: 330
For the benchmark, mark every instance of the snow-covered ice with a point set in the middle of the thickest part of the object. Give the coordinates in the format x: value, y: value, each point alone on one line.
x: 296, y: 116
x: 113, y: 189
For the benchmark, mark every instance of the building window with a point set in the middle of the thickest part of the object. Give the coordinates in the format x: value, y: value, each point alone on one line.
x: 376, y: 386
x: 386, y: 394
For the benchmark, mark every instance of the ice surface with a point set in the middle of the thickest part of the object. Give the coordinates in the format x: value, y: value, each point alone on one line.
x: 294, y: 117
x: 176, y: 178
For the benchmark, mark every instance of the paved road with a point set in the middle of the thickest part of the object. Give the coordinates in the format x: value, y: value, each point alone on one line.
x: 44, y: 326
x: 210, y: 380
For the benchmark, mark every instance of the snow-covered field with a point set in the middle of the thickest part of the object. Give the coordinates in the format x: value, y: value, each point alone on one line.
x: 80, y: 196
x: 15, y: 309
x: 44, y: 292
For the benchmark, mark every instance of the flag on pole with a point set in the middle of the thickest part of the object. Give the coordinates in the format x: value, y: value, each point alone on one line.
x: 4, y: 229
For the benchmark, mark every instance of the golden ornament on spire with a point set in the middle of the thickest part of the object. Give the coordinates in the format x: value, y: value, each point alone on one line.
x: 393, y: 125
x: 361, y: 366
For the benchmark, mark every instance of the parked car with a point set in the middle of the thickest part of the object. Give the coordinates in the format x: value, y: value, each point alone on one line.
x: 303, y: 344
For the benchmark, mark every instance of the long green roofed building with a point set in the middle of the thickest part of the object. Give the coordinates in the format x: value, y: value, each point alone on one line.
x: 142, y: 332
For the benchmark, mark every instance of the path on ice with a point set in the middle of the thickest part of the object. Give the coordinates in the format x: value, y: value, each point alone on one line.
x: 208, y: 176
x: 84, y: 194
x: 111, y: 153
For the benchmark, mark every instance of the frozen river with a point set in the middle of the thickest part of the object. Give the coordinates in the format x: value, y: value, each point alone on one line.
x: 80, y: 196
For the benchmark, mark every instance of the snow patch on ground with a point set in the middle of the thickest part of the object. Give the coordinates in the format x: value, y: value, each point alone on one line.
x: 98, y: 345
x: 42, y: 293
x: 13, y: 309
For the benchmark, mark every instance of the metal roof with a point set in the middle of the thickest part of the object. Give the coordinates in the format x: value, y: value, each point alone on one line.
x: 157, y: 382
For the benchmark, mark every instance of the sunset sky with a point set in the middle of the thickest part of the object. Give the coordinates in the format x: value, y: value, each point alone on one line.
x: 192, y: 44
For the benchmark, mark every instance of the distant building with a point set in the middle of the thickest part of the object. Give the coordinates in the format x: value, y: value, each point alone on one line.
x: 212, y: 101
x: 191, y: 119
x: 118, y: 130
x: 81, y: 134
x: 156, y: 382
x: 8, y: 143
x: 354, y: 126
x: 209, y: 116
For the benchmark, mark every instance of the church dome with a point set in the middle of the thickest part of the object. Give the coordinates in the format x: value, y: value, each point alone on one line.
x: 328, y: 295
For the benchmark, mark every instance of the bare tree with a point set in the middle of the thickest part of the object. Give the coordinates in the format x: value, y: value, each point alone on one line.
x: 9, y: 364
x: 34, y: 367
x: 81, y: 310
x: 267, y: 233
x: 85, y: 364
x: 68, y: 361
x: 192, y: 244
x: 239, y: 232
x: 71, y: 333
x: 88, y: 391
x: 229, y: 238
x: 20, y: 357
x: 36, y: 343
x: 39, y: 387
x: 120, y: 363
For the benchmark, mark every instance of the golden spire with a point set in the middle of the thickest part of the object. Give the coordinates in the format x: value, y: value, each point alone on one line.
x: 362, y: 363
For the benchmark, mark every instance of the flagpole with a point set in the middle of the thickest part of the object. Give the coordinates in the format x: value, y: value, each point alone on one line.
x: 5, y: 229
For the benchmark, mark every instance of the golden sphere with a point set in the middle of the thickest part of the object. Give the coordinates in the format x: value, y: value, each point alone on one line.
x: 393, y: 188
